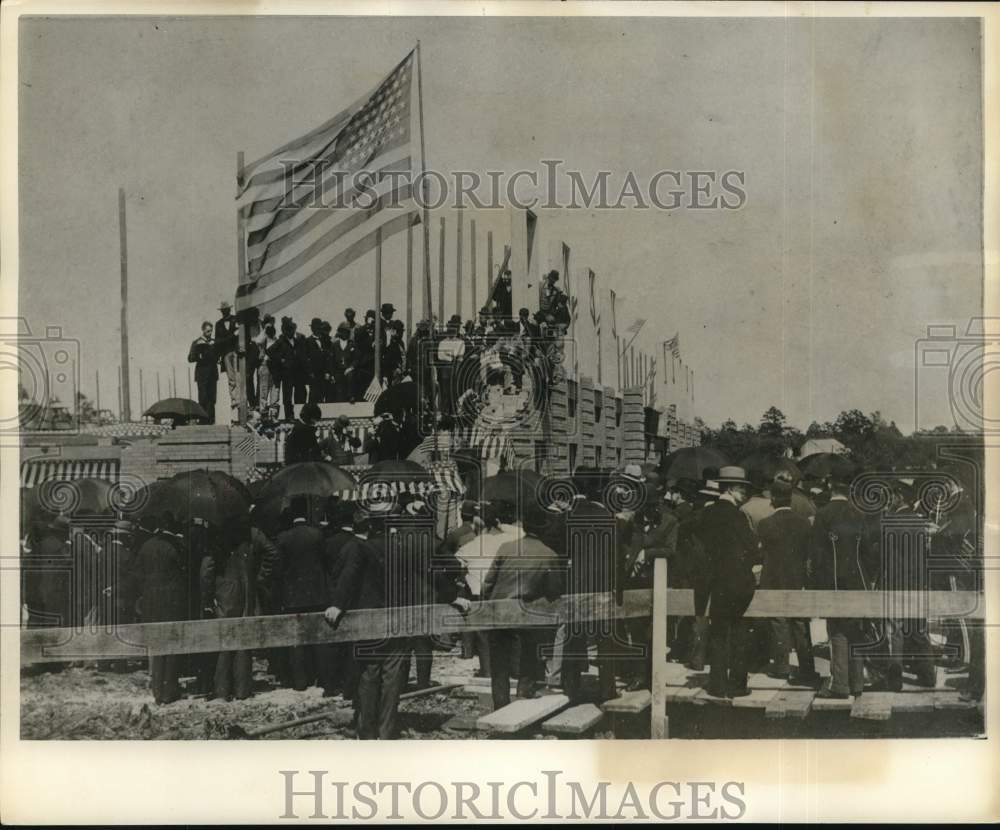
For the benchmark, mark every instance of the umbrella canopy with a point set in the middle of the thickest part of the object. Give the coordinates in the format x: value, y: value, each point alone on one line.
x: 209, y: 495
x: 825, y: 464
x: 690, y: 462
x: 394, y: 471
x: 762, y: 468
x: 176, y: 408
x: 316, y: 480
x: 402, y: 396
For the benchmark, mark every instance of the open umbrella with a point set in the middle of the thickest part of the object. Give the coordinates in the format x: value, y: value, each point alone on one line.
x: 690, y: 462
x: 401, y: 396
x: 762, y: 468
x: 209, y: 495
x: 83, y: 496
x: 315, y: 480
x: 176, y: 408
x: 825, y: 464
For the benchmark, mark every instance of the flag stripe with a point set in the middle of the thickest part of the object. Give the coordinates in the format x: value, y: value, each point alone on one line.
x: 294, y: 250
x: 272, y: 218
x: 276, y: 297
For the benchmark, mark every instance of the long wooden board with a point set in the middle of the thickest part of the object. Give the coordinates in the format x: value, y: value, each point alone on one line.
x: 629, y: 703
x: 239, y: 633
x: 574, y: 721
x: 788, y: 703
x: 873, y: 706
x: 521, y: 714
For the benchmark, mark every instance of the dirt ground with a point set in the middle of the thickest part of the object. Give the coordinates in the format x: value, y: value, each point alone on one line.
x: 88, y: 702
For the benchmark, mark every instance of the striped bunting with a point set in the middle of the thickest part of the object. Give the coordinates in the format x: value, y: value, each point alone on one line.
x: 316, y: 204
x: 492, y: 444
x: 35, y: 472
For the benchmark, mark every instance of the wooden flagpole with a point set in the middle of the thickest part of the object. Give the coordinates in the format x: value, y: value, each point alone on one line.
x: 435, y: 453
x: 241, y: 260
x: 409, y: 278
x: 97, y: 398
x: 489, y: 265
x: 441, y: 255
x: 173, y: 381
x: 126, y: 408
x: 378, y: 305
x: 458, y: 264
x: 472, y: 268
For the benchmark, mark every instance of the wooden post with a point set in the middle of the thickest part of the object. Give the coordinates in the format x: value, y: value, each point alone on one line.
x: 191, y: 396
x: 658, y: 728
x: 472, y: 267
x: 458, y: 265
x: 123, y: 254
x: 159, y: 397
x: 489, y: 265
x: 173, y: 381
x: 441, y: 253
x: 241, y: 261
x: 409, y: 277
x: 142, y: 394
x: 97, y: 393
x: 121, y: 412
x: 378, y: 305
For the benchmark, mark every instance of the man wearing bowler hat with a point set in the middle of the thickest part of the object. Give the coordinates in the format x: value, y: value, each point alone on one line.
x: 731, y: 549
x: 227, y: 342
x: 386, y: 311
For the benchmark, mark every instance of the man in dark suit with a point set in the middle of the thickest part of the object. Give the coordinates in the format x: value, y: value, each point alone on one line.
x: 301, y: 444
x: 784, y: 541
x: 732, y: 552
x: 303, y: 588
x: 526, y: 569
x: 842, y: 558
x: 283, y: 361
x: 206, y: 369
x: 340, y: 533
x: 364, y: 357
x: 227, y: 342
x: 314, y: 361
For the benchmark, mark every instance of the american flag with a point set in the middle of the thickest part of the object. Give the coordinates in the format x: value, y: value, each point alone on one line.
x: 247, y: 445
x: 595, y: 313
x: 358, y: 165
x: 674, y: 345
x: 636, y: 325
x: 374, y: 390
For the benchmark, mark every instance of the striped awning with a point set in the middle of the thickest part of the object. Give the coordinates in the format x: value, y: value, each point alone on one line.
x: 445, y: 475
x: 127, y: 430
x: 34, y: 472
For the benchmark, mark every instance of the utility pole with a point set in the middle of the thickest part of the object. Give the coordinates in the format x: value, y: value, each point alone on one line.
x: 123, y: 253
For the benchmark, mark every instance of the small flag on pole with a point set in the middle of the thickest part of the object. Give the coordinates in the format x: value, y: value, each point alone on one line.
x: 636, y: 325
x: 373, y: 391
x: 674, y: 344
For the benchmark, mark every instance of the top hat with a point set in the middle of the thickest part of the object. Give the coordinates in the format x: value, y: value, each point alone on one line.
x: 388, y: 308
x: 315, y: 323
x: 349, y: 311
x: 732, y: 475
x: 455, y: 319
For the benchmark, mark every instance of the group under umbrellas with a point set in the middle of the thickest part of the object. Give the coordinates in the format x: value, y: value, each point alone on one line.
x: 178, y: 410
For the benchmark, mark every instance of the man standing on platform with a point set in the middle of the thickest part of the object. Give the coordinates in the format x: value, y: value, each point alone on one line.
x: 314, y: 360
x: 227, y: 343
x: 732, y: 551
x: 784, y: 540
x: 206, y: 370
x: 842, y: 559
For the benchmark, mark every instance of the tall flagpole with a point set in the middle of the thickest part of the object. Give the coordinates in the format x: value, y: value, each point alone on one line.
x: 427, y: 245
x: 126, y: 407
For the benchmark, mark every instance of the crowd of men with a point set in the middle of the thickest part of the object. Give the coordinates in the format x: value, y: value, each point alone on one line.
x: 723, y: 536
x: 285, y: 367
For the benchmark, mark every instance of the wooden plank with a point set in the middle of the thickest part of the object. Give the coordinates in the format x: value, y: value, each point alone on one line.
x: 39, y: 645
x: 912, y: 702
x: 240, y: 633
x: 658, y: 697
x: 574, y: 721
x: 682, y: 694
x: 873, y: 706
x: 759, y: 680
x: 443, y: 688
x: 629, y: 703
x: 788, y: 703
x: 757, y: 699
x: 833, y: 704
x: 461, y: 723
x: 521, y: 714
x: 951, y: 700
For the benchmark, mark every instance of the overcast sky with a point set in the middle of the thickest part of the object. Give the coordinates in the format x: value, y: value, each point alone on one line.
x: 860, y: 141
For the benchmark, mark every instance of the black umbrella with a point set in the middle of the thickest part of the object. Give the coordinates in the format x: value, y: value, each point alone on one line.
x: 396, y: 471
x: 690, y: 462
x: 826, y: 464
x: 401, y: 397
x: 212, y: 496
x: 176, y: 408
x: 314, y: 480
x: 761, y: 468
